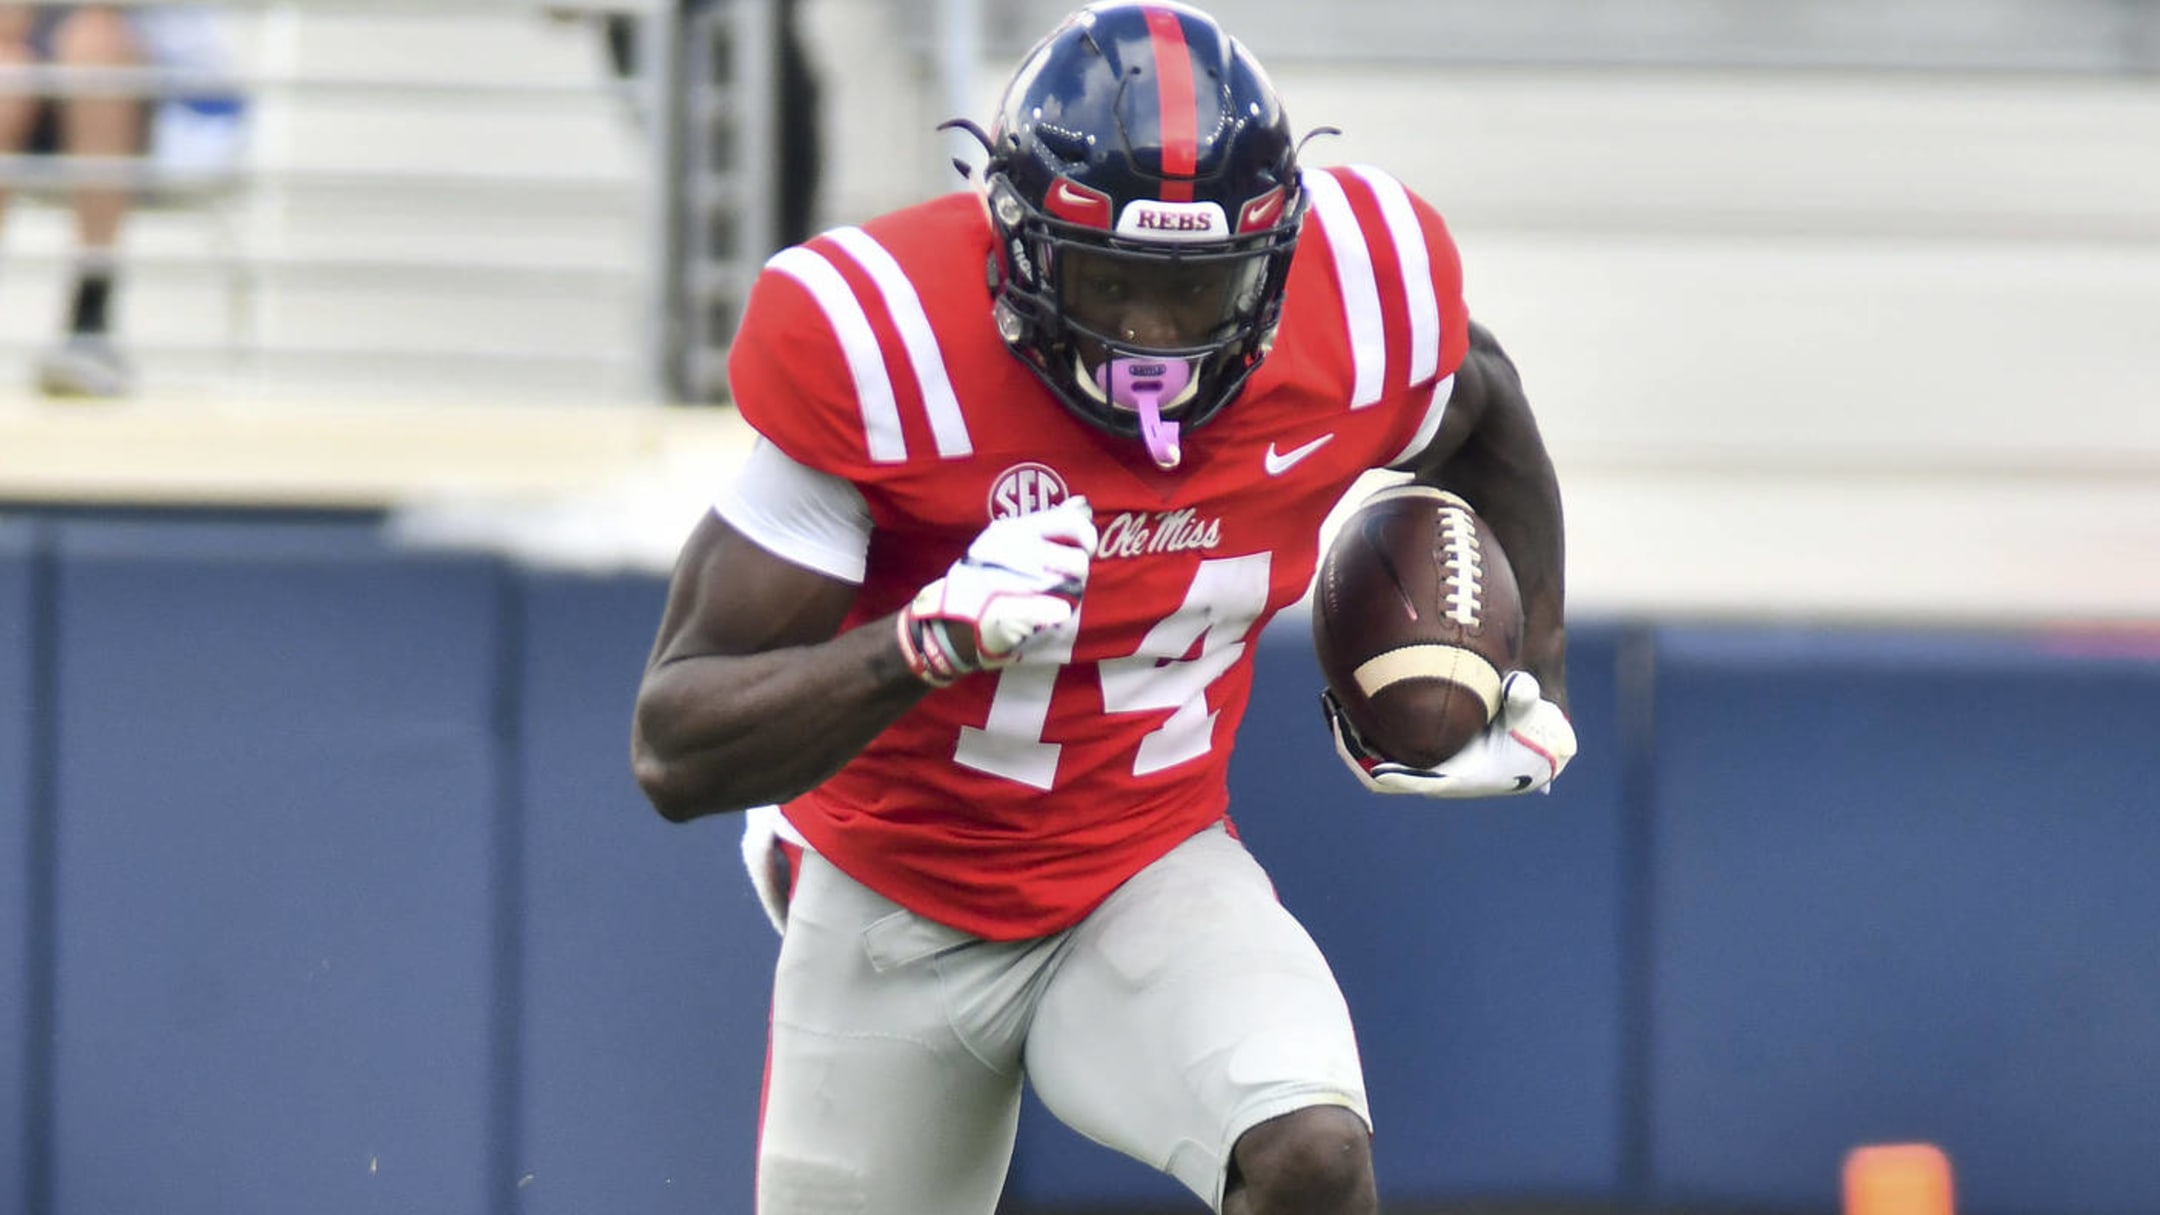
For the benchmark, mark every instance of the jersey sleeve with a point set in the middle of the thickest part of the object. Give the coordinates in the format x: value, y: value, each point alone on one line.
x: 790, y: 373
x: 1425, y: 399
x: 1444, y: 264
x: 1398, y: 278
x: 813, y: 519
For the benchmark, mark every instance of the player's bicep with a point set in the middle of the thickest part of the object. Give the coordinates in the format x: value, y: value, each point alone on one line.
x: 1483, y: 395
x: 732, y: 596
x: 775, y: 563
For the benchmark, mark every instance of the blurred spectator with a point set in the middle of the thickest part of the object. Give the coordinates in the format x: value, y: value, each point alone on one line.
x: 195, y: 131
x: 795, y: 203
x: 200, y: 133
x: 795, y: 195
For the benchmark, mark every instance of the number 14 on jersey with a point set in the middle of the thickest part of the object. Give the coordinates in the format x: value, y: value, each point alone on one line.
x: 1179, y: 659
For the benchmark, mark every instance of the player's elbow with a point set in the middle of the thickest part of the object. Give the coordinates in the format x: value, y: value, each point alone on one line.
x: 669, y: 784
x: 655, y: 779
x: 690, y: 769
x: 685, y: 787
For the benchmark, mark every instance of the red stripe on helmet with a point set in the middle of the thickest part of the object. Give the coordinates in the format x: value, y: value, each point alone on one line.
x: 1179, y: 104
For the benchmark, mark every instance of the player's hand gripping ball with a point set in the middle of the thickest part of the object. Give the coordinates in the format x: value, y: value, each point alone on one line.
x: 1417, y: 621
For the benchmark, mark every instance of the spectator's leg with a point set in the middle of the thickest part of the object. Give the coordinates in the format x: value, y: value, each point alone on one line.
x: 88, y: 364
x: 801, y: 159
x: 17, y: 110
x: 621, y: 34
x: 99, y: 36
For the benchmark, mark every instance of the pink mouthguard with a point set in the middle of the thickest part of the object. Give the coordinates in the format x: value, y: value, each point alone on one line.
x: 1142, y: 385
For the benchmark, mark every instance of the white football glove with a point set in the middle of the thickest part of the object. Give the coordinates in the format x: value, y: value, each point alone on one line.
x: 1020, y: 579
x: 765, y: 833
x: 1525, y: 747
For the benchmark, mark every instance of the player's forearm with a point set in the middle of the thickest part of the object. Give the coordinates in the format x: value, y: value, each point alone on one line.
x: 1504, y: 471
x: 1523, y: 506
x: 717, y: 733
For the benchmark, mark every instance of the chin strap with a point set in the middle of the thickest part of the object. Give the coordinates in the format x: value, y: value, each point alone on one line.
x: 1141, y: 385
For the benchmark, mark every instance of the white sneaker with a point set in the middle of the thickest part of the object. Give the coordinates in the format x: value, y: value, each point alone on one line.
x: 86, y: 365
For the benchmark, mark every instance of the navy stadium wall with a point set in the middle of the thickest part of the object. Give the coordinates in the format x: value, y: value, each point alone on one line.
x: 1904, y: 889
x: 276, y: 872
x: 22, y: 886
x: 324, y: 887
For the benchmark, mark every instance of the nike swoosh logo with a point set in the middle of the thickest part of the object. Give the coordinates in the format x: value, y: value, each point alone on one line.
x: 1071, y: 197
x: 1279, y: 463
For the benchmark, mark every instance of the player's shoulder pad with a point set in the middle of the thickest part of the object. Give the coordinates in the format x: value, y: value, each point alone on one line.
x: 788, y: 367
x: 838, y: 363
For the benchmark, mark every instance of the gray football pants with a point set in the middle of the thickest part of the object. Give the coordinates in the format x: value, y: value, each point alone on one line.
x: 1185, y: 1010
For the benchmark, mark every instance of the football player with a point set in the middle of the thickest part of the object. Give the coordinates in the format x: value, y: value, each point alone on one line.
x: 1037, y: 461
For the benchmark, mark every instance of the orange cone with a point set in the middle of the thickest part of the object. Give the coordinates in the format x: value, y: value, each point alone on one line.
x: 1898, y: 1179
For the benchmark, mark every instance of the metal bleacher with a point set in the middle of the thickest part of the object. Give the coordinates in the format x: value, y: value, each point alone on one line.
x: 446, y: 199
x: 467, y: 198
x: 1827, y: 204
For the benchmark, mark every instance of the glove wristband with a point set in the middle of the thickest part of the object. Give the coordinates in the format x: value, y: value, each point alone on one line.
x: 923, y: 646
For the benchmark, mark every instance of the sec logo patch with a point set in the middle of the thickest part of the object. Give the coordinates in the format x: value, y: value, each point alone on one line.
x: 1024, y: 489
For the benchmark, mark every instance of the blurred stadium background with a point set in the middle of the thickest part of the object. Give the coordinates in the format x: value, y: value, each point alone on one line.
x: 323, y: 885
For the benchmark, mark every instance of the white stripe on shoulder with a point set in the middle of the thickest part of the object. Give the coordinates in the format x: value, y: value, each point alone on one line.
x: 1409, y: 237
x: 1360, y: 291
x: 905, y: 305
x: 858, y: 342
x: 1435, y: 410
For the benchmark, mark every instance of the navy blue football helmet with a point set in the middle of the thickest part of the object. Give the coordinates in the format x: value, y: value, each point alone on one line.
x: 1142, y: 182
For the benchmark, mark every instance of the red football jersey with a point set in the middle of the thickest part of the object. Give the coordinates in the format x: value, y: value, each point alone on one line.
x: 1011, y: 803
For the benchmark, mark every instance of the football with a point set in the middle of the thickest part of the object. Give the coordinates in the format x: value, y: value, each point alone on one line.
x: 1416, y: 618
